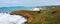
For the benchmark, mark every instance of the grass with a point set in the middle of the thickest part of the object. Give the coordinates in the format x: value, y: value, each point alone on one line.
x: 49, y: 16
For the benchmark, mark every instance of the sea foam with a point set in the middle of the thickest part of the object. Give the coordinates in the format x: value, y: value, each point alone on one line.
x: 6, y: 18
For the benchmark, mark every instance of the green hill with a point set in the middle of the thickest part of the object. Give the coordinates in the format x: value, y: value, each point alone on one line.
x: 49, y: 16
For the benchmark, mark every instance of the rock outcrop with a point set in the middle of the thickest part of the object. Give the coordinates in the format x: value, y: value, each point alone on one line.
x: 24, y: 14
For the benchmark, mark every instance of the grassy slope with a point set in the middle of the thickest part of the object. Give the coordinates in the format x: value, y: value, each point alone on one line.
x: 49, y: 16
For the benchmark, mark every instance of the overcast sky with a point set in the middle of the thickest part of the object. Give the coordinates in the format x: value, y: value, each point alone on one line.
x: 29, y: 2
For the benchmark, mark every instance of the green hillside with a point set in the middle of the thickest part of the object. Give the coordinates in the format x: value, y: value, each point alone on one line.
x: 46, y: 16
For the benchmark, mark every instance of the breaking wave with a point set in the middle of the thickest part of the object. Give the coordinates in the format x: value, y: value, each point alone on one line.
x: 6, y: 18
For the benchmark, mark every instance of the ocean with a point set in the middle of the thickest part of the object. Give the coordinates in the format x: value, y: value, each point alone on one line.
x: 6, y: 18
x: 10, y: 9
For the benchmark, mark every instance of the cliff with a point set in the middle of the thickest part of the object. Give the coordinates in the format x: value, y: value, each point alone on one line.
x: 49, y: 16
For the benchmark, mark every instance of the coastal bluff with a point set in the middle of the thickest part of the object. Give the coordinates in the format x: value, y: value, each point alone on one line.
x: 49, y: 16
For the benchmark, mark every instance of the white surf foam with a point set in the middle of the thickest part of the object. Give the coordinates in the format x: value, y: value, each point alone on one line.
x: 11, y: 19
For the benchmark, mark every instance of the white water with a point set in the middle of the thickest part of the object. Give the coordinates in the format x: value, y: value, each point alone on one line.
x: 11, y: 19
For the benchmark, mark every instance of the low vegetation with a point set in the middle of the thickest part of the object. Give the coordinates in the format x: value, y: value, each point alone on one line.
x: 49, y: 16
